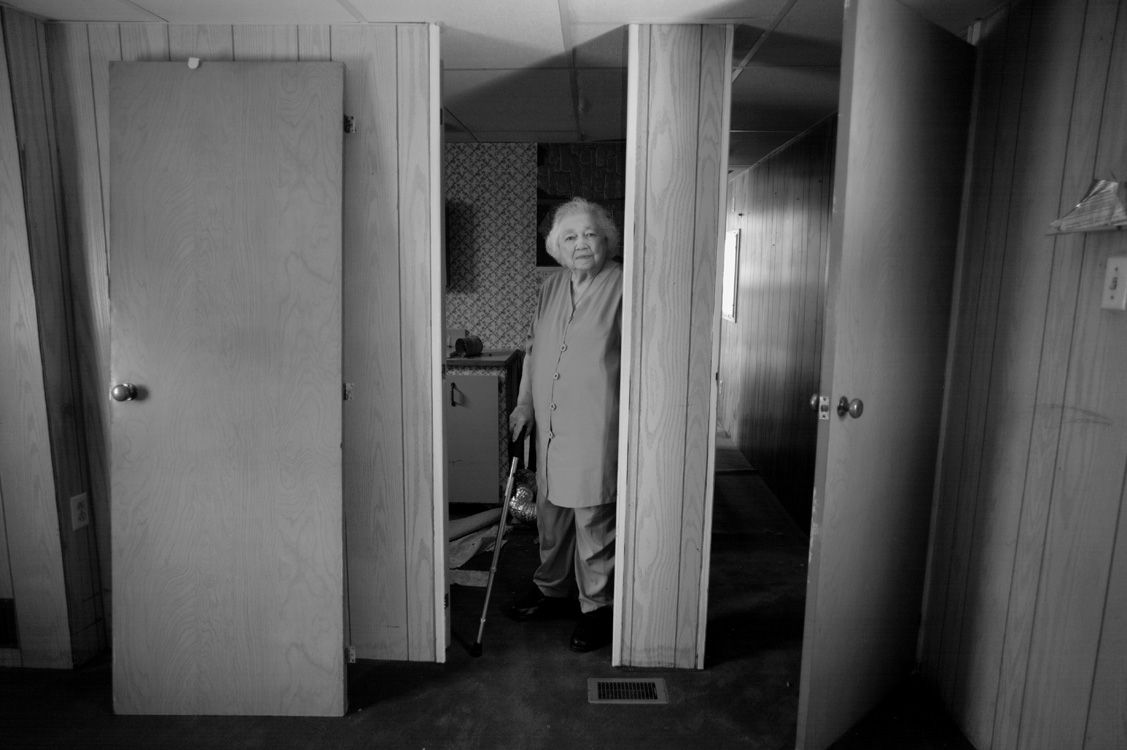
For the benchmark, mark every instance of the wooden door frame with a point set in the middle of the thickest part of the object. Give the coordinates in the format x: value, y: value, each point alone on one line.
x: 629, y: 383
x: 628, y: 379
x: 438, y: 345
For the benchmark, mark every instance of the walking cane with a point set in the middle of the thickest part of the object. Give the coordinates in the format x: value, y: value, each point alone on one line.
x: 475, y: 650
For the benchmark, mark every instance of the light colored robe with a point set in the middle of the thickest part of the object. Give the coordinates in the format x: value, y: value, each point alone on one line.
x: 575, y: 361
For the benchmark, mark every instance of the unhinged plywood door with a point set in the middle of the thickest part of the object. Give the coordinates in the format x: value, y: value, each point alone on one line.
x: 897, y: 191
x: 225, y: 295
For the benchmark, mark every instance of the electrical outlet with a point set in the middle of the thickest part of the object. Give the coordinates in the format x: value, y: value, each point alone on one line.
x: 1114, y: 295
x: 79, y: 512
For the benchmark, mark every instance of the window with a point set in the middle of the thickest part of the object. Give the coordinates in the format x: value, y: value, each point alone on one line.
x: 731, y: 274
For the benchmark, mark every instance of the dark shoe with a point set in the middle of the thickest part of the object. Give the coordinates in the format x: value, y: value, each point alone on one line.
x: 593, y: 631
x: 537, y: 606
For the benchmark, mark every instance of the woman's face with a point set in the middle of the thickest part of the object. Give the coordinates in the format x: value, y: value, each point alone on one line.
x: 581, y: 244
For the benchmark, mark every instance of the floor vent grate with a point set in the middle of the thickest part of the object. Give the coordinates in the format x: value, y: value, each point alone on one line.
x: 626, y: 690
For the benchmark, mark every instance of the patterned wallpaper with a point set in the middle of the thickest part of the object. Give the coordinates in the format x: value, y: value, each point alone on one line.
x: 491, y: 277
x: 494, y: 192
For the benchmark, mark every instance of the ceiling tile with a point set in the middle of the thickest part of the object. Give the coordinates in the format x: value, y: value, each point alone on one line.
x: 114, y: 11
x: 510, y: 100
x: 766, y: 98
x: 744, y: 38
x: 602, y: 104
x: 747, y: 149
x: 483, y: 33
x: 673, y: 11
x: 248, y: 11
x: 600, y: 45
x: 810, y: 34
x: 954, y: 15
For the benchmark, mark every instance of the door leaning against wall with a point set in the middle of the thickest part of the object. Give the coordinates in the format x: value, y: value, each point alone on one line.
x: 225, y: 294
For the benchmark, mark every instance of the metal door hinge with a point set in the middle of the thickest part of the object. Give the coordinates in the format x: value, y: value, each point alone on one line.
x: 349, y: 124
x: 347, y: 391
x: 350, y: 654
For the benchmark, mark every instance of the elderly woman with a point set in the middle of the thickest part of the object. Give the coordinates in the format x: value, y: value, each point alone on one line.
x: 569, y: 394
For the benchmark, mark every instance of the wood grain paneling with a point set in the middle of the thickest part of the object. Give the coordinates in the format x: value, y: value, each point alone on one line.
x: 314, y: 42
x: 1107, y: 715
x: 700, y: 430
x: 674, y: 61
x: 964, y: 409
x: 144, y: 42
x: 6, y: 588
x: 770, y: 356
x: 373, y: 418
x: 207, y: 42
x: 35, y: 125
x: 984, y: 577
x: 380, y: 73
x: 1023, y: 612
x: 416, y: 288
x: 633, y: 295
x: 265, y: 43
x: 80, y: 168
x: 26, y: 472
x: 678, y: 139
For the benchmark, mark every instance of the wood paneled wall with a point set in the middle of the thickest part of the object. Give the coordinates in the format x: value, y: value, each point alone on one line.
x: 771, y: 355
x: 679, y: 104
x: 34, y: 568
x: 388, y: 441
x: 1026, y: 608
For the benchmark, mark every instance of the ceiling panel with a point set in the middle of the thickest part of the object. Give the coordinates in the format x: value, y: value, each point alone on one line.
x: 600, y: 45
x: 87, y: 10
x: 483, y: 33
x: 783, y: 98
x: 809, y: 35
x: 248, y: 11
x: 602, y: 104
x: 673, y: 11
x: 745, y: 149
x: 510, y: 100
x: 744, y: 37
x: 954, y: 15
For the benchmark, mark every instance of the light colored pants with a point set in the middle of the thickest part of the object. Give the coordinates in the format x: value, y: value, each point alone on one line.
x: 576, y: 550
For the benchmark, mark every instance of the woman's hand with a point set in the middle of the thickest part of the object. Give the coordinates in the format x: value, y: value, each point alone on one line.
x: 520, y: 419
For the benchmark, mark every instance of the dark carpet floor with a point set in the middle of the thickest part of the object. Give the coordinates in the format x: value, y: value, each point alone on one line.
x: 527, y: 690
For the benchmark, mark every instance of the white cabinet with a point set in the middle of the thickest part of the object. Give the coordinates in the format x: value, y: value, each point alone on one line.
x: 479, y: 392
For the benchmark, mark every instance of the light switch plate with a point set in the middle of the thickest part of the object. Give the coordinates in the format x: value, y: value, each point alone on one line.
x: 1114, y: 296
x: 79, y: 511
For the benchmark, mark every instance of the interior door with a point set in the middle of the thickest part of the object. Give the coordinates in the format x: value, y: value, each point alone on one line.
x: 904, y: 107
x: 225, y: 293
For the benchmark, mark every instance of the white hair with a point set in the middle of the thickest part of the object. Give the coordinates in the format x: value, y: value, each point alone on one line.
x: 603, y: 222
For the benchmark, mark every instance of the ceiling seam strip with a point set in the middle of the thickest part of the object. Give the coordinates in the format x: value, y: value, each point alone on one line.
x: 566, y: 20
x: 739, y: 67
x: 146, y: 11
x: 351, y: 10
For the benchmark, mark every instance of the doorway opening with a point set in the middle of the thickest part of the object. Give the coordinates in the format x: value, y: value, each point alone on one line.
x: 779, y: 206
x: 500, y: 189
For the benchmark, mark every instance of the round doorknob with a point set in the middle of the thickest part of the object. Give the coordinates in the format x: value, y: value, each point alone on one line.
x: 853, y: 408
x: 124, y: 392
x: 814, y: 402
